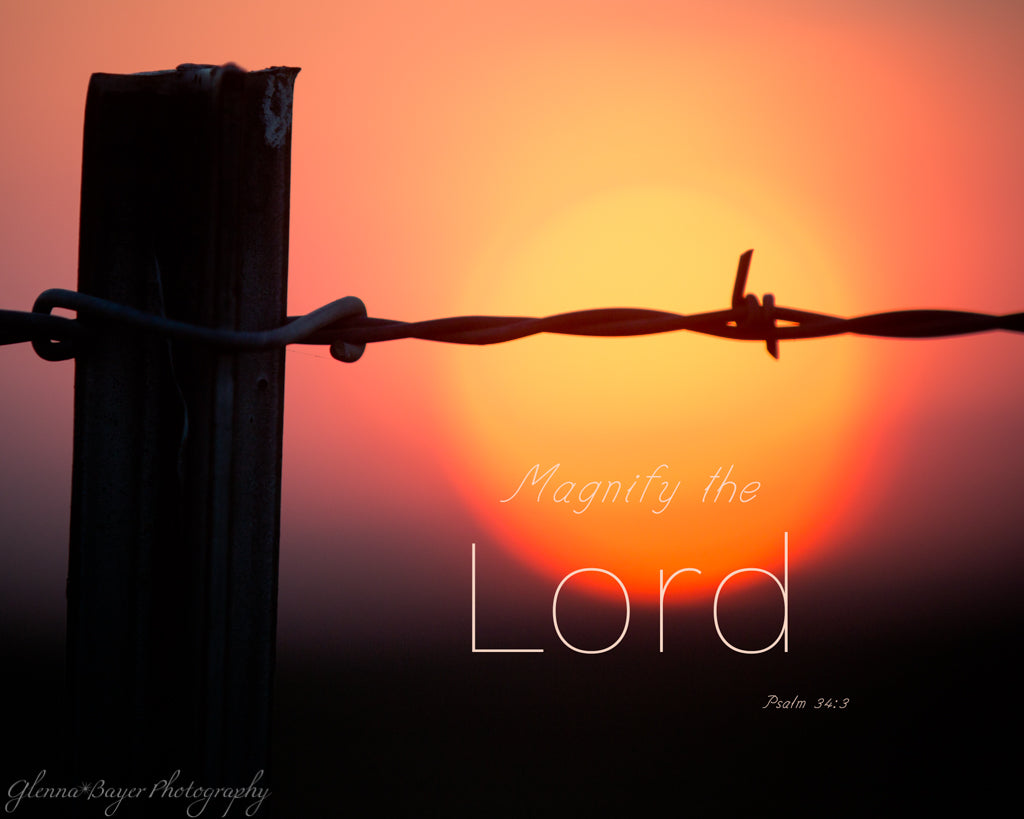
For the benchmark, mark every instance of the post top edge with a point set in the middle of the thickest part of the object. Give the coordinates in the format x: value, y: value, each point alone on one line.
x: 205, y: 69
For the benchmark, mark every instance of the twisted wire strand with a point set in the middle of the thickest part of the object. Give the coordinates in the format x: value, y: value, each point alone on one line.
x: 344, y: 325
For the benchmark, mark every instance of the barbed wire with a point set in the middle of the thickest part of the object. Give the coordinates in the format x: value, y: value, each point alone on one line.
x: 346, y: 328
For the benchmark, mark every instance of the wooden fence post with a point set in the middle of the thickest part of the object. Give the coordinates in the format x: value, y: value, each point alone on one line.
x: 172, y: 582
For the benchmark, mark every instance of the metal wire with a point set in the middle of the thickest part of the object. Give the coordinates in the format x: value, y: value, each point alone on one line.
x: 344, y: 325
x: 52, y: 344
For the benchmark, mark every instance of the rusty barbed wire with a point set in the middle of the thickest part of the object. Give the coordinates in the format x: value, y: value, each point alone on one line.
x: 346, y: 328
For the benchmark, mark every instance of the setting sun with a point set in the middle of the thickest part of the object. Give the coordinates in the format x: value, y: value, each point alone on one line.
x: 535, y: 419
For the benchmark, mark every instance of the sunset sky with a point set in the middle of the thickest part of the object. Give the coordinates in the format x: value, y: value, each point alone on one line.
x: 531, y: 157
x: 527, y: 158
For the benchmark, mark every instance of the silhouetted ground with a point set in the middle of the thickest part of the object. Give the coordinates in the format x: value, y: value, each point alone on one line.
x: 932, y: 719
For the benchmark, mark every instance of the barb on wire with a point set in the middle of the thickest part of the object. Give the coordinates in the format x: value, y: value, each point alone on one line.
x: 344, y: 325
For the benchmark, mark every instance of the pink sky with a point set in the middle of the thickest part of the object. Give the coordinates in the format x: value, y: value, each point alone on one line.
x: 514, y: 158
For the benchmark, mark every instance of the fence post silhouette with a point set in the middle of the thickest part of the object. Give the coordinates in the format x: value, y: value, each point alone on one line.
x: 172, y: 582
